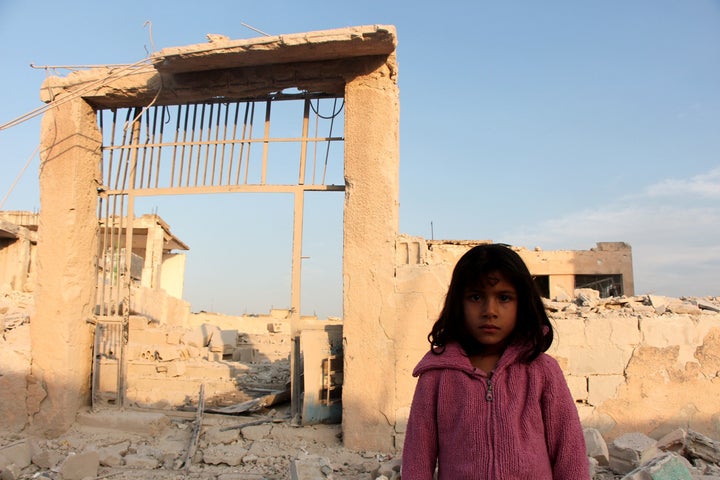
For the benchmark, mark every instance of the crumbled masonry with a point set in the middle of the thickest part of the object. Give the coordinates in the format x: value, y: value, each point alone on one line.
x: 141, y: 443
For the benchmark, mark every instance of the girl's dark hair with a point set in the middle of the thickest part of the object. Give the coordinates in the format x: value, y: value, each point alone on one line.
x: 533, y: 327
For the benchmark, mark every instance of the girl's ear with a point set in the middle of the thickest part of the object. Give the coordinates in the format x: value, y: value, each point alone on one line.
x: 545, y: 330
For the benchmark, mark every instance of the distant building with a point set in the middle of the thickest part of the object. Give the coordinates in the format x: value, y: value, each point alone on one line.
x: 155, y: 260
x: 606, y: 268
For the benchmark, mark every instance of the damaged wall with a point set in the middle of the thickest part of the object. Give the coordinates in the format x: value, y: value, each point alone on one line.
x: 388, y: 306
x: 634, y: 364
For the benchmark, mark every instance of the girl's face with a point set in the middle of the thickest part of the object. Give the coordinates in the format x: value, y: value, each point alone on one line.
x: 490, y: 309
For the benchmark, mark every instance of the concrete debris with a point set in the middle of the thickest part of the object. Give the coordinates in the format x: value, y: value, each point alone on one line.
x: 631, y: 450
x: 587, y: 301
x: 679, y: 455
x: 226, y: 450
x: 596, y: 447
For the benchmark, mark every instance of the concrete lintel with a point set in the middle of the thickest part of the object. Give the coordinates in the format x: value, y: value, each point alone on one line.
x: 9, y: 230
x: 122, y: 88
x: 320, y: 45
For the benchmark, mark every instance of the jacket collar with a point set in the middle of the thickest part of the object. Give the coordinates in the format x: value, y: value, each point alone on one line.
x: 455, y: 358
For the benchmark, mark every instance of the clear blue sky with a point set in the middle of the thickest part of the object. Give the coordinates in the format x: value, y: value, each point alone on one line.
x: 555, y: 124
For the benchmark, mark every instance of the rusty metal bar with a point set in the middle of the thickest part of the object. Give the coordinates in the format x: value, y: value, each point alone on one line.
x: 303, y: 145
x: 242, y: 188
x: 159, y: 148
x: 122, y: 162
x: 222, y: 151
x: 151, y: 146
x: 247, y: 141
x: 192, y: 144
x: 215, y: 145
x: 232, y: 145
x: 175, y: 145
x: 327, y: 151
x: 207, y: 144
x: 184, y: 144
x: 144, y: 115
x: 199, y: 152
x: 315, y: 144
x: 203, y: 143
x: 266, y: 143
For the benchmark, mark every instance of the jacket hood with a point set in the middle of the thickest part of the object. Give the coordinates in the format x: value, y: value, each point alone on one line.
x: 455, y: 358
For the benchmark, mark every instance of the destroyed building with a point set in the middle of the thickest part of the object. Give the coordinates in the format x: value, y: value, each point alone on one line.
x: 633, y: 363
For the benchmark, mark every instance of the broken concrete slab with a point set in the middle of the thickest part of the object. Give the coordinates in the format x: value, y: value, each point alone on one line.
x: 80, y: 466
x: 668, y: 466
x: 596, y: 446
x: 140, y: 422
x: 630, y: 451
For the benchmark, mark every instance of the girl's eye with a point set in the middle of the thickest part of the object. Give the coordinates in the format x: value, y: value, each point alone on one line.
x: 505, y: 298
x: 474, y: 297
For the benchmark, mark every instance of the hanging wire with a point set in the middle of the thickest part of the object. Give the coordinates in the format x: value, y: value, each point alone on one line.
x: 333, y: 115
x: 17, y: 179
x: 119, y: 73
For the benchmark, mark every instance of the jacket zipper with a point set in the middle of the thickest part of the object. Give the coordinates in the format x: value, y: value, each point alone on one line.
x: 489, y: 393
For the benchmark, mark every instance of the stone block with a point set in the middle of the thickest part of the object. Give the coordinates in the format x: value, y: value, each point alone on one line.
x: 603, y: 387
x: 279, y: 327
x: 80, y: 466
x: 175, y: 368
x: 165, y: 352
x: 578, y: 387
x: 10, y: 472
x: 631, y: 450
x: 112, y: 455
x: 667, y: 466
x: 311, y: 467
x: 126, y: 421
x: 668, y: 330
x: 256, y: 432
x: 148, y: 336
x: 215, y: 435
x: 231, y: 455
x: 144, y: 462
x: 137, y: 322
x: 18, y: 453
x: 596, y: 447
x: 245, y: 354
x: 587, y: 360
x: 174, y: 337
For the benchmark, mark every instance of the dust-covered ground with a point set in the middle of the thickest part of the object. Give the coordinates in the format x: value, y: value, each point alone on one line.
x: 161, y: 445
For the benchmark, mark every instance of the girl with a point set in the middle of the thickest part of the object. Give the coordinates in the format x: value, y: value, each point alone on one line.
x: 489, y: 404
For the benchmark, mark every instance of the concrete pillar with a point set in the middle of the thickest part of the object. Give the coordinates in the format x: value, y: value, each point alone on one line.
x: 60, y: 334
x: 370, y: 229
x: 152, y: 267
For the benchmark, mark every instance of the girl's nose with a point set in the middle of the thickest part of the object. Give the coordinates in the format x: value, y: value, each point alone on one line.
x: 490, y: 308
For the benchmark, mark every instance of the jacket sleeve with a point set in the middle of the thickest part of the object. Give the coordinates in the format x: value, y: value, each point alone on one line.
x: 420, y: 451
x: 563, y: 431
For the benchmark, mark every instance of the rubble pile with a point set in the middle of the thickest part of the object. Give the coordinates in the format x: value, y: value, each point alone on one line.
x: 588, y: 301
x: 151, y: 445
x: 679, y: 455
x: 266, y: 443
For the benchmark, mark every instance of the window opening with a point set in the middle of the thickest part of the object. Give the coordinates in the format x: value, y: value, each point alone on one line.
x: 607, y: 285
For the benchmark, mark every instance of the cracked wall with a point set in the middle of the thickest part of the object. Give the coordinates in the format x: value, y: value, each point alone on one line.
x: 633, y: 363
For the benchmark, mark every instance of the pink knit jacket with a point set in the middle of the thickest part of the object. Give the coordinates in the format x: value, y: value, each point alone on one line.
x: 520, y: 422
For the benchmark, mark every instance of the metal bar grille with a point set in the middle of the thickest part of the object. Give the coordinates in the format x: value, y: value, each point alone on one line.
x: 182, y: 147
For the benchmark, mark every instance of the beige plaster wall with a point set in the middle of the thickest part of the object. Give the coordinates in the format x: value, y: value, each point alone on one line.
x: 632, y: 364
x: 16, y: 261
x: 172, y: 277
